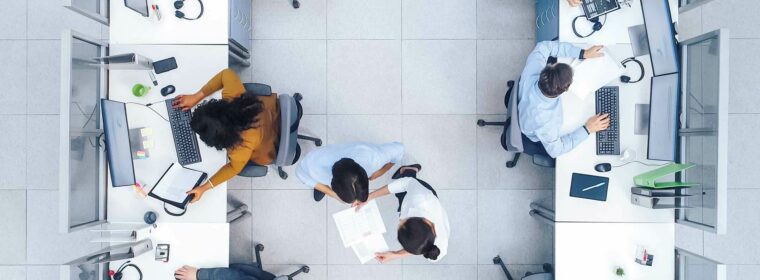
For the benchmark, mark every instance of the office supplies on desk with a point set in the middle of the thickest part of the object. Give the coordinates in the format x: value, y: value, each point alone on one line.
x: 181, y: 15
x: 162, y: 252
x: 156, y: 11
x: 595, y: 8
x: 627, y: 79
x: 141, y: 142
x: 167, y: 90
x: 118, y: 146
x: 127, y: 61
x: 362, y: 230
x: 185, y: 141
x: 165, y: 65
x: 119, y: 273
x: 649, y: 178
x: 603, y: 167
x: 174, y: 184
x: 589, y: 187
x: 592, y: 74
x: 608, y: 140
x: 139, y: 6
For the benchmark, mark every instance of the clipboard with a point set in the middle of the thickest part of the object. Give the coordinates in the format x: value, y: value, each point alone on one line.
x: 589, y: 187
x: 166, y: 187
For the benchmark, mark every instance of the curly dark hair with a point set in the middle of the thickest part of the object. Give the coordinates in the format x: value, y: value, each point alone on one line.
x: 555, y: 79
x: 219, y: 123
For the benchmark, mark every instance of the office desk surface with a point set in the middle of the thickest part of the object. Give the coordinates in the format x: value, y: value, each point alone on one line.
x: 583, y: 158
x: 130, y: 27
x: 196, y: 65
x: 198, y: 245
x: 595, y: 250
x: 615, y: 30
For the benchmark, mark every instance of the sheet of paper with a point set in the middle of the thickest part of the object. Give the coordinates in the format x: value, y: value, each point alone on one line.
x: 366, y: 248
x: 176, y: 182
x: 592, y: 74
x: 354, y: 225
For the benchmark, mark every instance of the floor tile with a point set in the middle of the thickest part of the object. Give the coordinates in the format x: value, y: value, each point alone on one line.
x: 316, y: 272
x: 46, y: 21
x: 13, y: 157
x: 736, y: 15
x: 43, y: 77
x: 274, y: 19
x: 442, y: 272
x: 13, y: 71
x: 44, y: 243
x: 291, y: 225
x: 506, y: 19
x: 43, y: 272
x: 13, y: 272
x: 364, y: 77
x: 438, y: 77
x: 742, y: 83
x: 492, y: 158
x: 240, y: 183
x: 743, y: 224
x: 13, y: 227
x: 494, y: 272
x: 367, y: 128
x: 742, y: 271
x: 461, y: 207
x: 13, y: 25
x: 291, y: 66
x: 241, y: 241
x: 506, y: 229
x: 445, y: 146
x: 498, y: 62
x: 690, y: 238
x: 367, y: 272
x: 338, y: 254
x: 364, y: 19
x: 42, y: 149
x: 742, y: 131
x: 312, y: 125
x: 430, y: 19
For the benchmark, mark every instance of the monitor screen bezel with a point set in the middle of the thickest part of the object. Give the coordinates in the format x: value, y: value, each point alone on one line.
x: 143, y: 13
x: 103, y: 101
x: 672, y: 35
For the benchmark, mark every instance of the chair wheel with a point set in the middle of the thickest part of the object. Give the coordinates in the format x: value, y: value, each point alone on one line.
x: 481, y: 123
x: 511, y: 83
x: 305, y: 269
x: 318, y: 142
x: 496, y: 260
x: 511, y: 164
x: 296, y: 4
x: 283, y: 175
x: 548, y: 268
x: 259, y: 247
x: 297, y: 96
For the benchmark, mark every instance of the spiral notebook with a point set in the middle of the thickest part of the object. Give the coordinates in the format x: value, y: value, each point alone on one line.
x: 174, y: 184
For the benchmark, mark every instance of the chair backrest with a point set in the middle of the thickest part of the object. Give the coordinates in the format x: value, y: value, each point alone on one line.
x: 540, y: 276
x: 513, y: 133
x: 287, y: 151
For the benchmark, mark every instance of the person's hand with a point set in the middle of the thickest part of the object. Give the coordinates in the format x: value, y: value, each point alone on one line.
x: 186, y: 102
x: 598, y: 123
x: 592, y: 52
x: 186, y: 273
x: 574, y: 3
x: 386, y: 257
x: 358, y: 204
x: 197, y: 193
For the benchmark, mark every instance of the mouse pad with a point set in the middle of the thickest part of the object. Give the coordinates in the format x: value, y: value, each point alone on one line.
x: 589, y: 187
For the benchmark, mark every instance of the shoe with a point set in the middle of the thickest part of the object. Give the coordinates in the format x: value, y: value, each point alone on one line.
x: 296, y: 4
x: 398, y: 172
x: 318, y: 196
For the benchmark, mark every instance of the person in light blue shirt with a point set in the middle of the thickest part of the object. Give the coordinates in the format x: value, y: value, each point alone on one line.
x: 542, y: 81
x: 343, y: 171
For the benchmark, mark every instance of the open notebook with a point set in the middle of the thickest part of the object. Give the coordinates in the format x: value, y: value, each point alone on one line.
x: 594, y: 73
x: 362, y: 230
x: 175, y: 183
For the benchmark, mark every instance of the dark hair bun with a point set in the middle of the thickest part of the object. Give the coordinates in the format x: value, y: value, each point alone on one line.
x: 432, y: 253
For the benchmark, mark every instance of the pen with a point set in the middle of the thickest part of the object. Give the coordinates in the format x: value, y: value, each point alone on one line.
x: 157, y: 10
x: 594, y: 186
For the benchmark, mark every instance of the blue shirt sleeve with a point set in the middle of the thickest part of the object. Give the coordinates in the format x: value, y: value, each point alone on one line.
x: 394, y: 151
x: 303, y: 175
x: 556, y: 144
x: 541, y: 53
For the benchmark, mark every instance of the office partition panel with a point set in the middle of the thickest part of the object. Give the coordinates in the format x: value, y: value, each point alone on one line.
x: 95, y: 9
x: 690, y: 266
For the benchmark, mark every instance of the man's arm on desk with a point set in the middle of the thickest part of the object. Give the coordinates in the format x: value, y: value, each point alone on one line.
x: 557, y: 145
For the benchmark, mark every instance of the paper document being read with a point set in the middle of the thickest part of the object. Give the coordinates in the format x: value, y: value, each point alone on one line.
x: 362, y: 230
x: 593, y: 73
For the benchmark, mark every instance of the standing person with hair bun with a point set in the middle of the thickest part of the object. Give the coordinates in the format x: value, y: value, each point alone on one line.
x: 423, y: 227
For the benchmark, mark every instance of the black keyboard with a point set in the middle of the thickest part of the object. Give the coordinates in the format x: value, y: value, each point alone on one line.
x: 184, y: 138
x: 608, y: 141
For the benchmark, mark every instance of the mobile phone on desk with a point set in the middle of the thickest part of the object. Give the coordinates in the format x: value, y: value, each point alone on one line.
x: 162, y: 252
x: 165, y: 65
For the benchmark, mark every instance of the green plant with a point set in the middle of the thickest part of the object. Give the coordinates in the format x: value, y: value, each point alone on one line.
x: 619, y: 272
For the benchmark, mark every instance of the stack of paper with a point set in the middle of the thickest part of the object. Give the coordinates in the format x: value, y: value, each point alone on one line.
x: 593, y: 73
x: 362, y: 230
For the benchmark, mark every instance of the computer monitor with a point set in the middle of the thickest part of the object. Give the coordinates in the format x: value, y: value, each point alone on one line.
x: 661, y: 36
x: 663, y: 117
x: 139, y: 6
x: 118, y: 149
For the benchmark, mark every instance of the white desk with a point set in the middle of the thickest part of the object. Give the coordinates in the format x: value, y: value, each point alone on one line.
x: 196, y: 65
x: 198, y: 245
x: 596, y: 250
x: 615, y: 30
x: 129, y: 27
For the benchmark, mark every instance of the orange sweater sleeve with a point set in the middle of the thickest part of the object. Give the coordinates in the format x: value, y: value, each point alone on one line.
x: 226, y: 80
x: 238, y: 158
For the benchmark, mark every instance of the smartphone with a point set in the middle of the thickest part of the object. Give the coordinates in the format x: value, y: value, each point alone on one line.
x: 165, y: 65
x: 162, y: 252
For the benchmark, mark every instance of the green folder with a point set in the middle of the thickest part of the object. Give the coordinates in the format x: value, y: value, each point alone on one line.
x: 649, y: 179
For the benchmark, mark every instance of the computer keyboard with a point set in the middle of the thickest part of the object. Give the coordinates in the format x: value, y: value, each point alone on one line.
x: 608, y: 141
x: 184, y: 138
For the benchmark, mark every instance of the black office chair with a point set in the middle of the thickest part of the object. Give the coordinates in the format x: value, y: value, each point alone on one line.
x: 547, y: 274
x: 257, y: 251
x: 288, y: 150
x: 512, y: 139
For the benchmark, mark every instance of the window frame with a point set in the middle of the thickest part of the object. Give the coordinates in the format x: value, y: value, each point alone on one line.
x: 720, y: 268
x: 101, y: 16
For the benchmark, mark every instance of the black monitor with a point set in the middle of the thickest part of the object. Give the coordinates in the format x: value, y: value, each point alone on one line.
x: 139, y: 6
x: 661, y: 36
x: 118, y: 148
x: 663, y: 117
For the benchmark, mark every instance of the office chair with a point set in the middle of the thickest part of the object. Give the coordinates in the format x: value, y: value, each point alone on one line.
x: 547, y: 274
x: 257, y: 251
x: 512, y: 139
x: 288, y: 150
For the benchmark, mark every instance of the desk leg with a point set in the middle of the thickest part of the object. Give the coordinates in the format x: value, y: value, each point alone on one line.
x: 542, y: 213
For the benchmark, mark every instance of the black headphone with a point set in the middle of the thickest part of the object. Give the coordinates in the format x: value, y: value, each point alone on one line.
x: 119, y: 272
x: 596, y: 27
x: 627, y: 79
x: 179, y: 14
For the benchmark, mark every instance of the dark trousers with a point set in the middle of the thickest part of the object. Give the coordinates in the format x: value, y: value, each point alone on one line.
x: 533, y: 148
x: 235, y: 272
x: 412, y: 174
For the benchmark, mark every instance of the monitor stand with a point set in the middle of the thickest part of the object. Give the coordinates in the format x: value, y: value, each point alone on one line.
x: 639, y: 41
x: 641, y: 122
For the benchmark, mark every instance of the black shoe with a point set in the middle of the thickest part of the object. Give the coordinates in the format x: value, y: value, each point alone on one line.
x: 410, y: 173
x: 318, y: 196
x: 296, y: 4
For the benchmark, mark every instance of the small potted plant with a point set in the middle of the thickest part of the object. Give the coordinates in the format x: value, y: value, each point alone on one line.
x: 620, y: 272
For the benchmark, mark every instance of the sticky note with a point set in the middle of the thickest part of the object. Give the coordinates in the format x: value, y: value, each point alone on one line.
x: 148, y: 144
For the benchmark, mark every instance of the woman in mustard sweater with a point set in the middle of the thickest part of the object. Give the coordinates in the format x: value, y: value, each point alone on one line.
x: 246, y: 126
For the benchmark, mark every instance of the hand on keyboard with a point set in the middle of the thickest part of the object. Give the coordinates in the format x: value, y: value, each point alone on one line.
x: 598, y: 123
x: 186, y: 102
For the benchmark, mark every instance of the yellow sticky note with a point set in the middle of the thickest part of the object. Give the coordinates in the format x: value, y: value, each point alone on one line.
x: 146, y: 131
x: 148, y: 144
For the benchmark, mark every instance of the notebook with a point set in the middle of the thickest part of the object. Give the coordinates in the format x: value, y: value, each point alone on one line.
x: 173, y: 185
x: 594, y: 73
x: 589, y: 187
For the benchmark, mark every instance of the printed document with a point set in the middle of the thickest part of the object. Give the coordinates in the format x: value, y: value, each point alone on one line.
x: 362, y: 230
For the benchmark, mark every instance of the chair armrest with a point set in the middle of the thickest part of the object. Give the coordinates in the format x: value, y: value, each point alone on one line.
x: 544, y: 160
x: 258, y: 89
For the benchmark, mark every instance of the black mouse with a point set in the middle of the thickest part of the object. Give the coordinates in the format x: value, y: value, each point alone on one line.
x: 603, y: 167
x: 167, y: 90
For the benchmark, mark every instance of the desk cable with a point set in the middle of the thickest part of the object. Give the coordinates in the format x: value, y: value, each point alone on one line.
x: 148, y: 106
x: 639, y: 162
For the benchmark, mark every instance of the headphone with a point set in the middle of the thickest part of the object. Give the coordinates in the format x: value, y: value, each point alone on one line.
x: 119, y: 272
x: 594, y: 28
x: 627, y: 79
x: 179, y: 14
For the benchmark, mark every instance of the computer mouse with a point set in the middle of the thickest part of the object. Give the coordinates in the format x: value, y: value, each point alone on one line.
x: 603, y: 167
x: 167, y: 90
